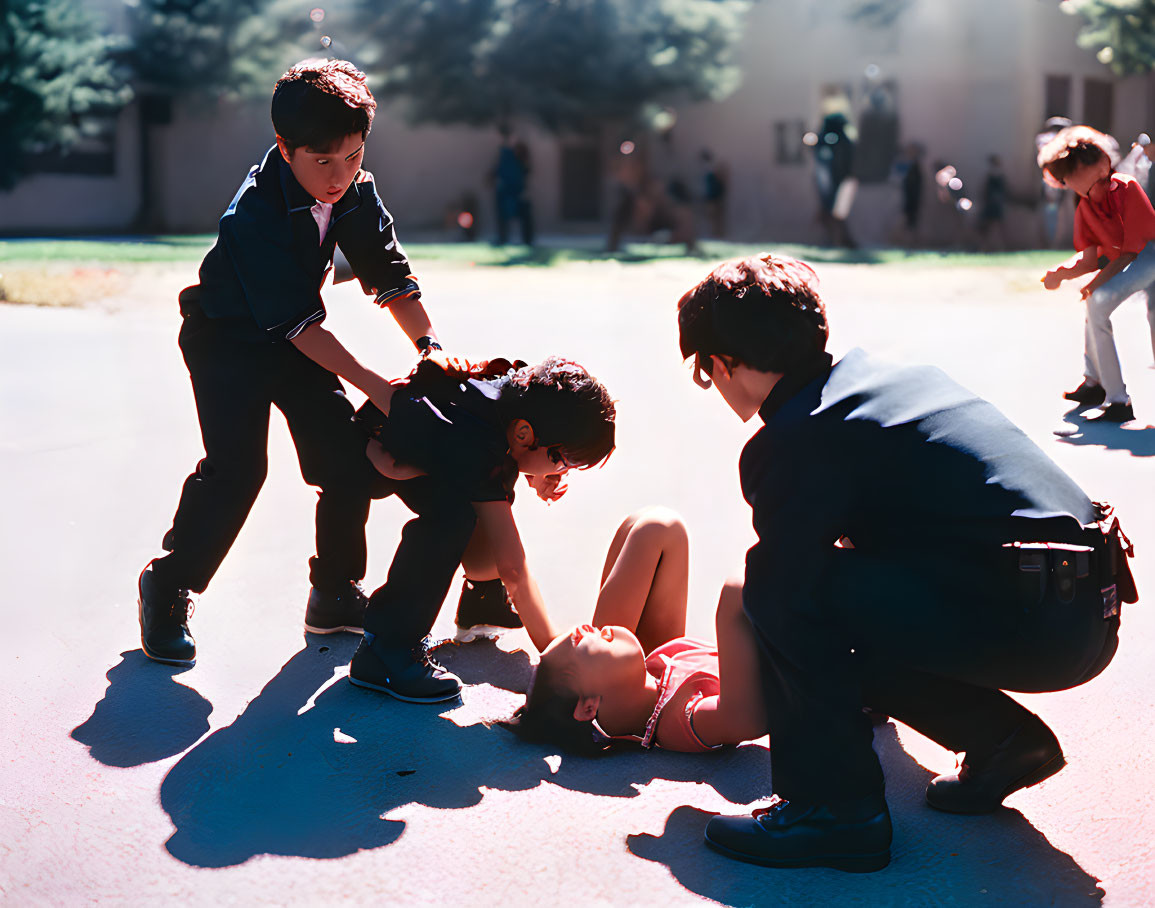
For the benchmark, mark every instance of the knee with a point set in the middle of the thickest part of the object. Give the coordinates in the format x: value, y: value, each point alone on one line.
x: 1101, y: 304
x: 245, y: 474
x: 661, y: 526
x: 730, y: 600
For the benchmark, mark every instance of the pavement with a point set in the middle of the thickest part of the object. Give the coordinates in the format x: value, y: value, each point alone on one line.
x: 261, y: 777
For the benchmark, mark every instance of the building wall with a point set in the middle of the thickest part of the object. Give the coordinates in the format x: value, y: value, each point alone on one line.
x: 969, y: 82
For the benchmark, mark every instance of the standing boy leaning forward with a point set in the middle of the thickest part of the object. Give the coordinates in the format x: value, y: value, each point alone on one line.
x: 451, y: 445
x: 253, y: 337
x: 916, y: 554
x: 1115, y: 236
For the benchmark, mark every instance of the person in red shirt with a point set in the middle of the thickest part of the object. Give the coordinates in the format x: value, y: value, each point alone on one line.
x: 1115, y: 238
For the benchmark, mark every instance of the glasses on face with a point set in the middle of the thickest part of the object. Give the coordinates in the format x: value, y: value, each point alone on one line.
x: 558, y: 459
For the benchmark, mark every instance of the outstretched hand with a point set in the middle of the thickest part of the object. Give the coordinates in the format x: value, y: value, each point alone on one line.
x: 1052, y: 280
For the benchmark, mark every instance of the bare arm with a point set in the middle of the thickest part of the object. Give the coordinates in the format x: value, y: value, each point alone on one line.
x: 1107, y: 272
x: 323, y: 348
x: 738, y: 713
x: 412, y: 318
x: 1076, y: 266
x: 495, y: 518
x: 387, y: 465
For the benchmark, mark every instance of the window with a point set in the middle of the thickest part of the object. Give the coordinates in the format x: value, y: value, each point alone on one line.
x: 1057, y: 97
x: 1098, y: 104
x: 788, y: 145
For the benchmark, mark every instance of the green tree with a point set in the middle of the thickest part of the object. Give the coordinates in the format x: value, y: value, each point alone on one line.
x: 566, y: 64
x: 1120, y: 32
x: 59, y: 81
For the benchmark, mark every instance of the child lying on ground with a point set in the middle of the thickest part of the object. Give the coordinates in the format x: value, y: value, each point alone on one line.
x: 631, y: 675
x: 450, y: 444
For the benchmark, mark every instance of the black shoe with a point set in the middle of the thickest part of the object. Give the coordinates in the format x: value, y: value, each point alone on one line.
x: 1030, y: 754
x: 854, y: 836
x: 408, y: 674
x: 484, y: 610
x: 1087, y: 394
x: 1114, y: 413
x: 329, y: 613
x: 164, y: 634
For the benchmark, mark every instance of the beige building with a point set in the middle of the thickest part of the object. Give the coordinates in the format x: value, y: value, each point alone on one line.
x: 965, y: 80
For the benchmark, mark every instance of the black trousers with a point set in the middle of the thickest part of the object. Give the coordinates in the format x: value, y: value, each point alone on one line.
x: 402, y: 611
x: 930, y: 638
x: 235, y: 383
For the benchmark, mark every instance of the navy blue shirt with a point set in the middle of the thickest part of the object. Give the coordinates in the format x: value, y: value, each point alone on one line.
x: 265, y: 272
x: 899, y: 459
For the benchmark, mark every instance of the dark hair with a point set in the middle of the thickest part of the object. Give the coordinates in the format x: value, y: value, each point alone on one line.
x: 567, y: 407
x: 319, y: 102
x: 764, y: 311
x: 1073, y: 148
x: 548, y: 717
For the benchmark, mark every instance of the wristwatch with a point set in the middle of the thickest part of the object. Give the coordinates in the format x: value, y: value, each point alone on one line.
x: 426, y: 345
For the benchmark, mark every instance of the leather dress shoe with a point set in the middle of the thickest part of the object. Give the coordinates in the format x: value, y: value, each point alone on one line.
x: 164, y: 614
x: 1087, y: 394
x: 1028, y: 755
x: 853, y: 836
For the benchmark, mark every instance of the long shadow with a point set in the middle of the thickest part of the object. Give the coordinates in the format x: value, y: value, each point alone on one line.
x: 1139, y: 440
x: 312, y: 769
x: 145, y: 715
x: 937, y: 859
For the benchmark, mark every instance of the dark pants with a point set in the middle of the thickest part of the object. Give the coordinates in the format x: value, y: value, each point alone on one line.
x: 235, y: 382
x: 401, y: 613
x: 927, y: 637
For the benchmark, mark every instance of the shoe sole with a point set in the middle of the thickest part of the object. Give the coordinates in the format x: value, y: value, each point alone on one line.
x: 139, y: 617
x: 480, y: 631
x: 1041, y: 774
x: 333, y: 630
x: 850, y: 863
x: 397, y: 696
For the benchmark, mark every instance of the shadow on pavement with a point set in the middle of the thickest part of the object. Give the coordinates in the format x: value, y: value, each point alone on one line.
x: 140, y: 721
x: 936, y: 858
x: 1139, y: 440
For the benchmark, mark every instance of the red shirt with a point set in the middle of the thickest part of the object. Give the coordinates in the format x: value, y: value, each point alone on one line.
x: 1123, y: 222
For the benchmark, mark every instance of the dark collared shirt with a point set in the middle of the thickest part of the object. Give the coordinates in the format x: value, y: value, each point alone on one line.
x: 265, y: 272
x: 899, y: 459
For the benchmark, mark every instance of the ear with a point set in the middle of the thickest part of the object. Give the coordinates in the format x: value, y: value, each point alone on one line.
x: 587, y: 708
x: 521, y: 433
x: 284, y: 149
x: 722, y: 364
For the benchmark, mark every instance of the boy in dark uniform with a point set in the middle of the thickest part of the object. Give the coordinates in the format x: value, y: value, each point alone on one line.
x: 253, y: 337
x: 916, y: 553
x: 451, y: 446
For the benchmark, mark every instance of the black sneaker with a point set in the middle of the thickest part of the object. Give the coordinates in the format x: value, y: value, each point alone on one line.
x: 408, y: 674
x: 1087, y: 394
x: 164, y: 634
x: 1114, y: 413
x: 330, y: 613
x: 484, y: 610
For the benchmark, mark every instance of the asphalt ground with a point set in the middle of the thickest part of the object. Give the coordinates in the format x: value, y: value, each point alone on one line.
x: 262, y: 777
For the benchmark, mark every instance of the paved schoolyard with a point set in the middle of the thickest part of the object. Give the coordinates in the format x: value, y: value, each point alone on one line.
x: 262, y: 777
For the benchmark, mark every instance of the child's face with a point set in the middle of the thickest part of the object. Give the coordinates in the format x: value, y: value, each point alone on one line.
x: 541, y: 461
x: 1091, y: 180
x: 326, y: 175
x: 596, y: 659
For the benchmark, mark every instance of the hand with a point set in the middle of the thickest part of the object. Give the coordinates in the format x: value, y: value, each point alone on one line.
x: 549, y: 488
x: 1089, y: 288
x: 447, y: 363
x: 1052, y: 280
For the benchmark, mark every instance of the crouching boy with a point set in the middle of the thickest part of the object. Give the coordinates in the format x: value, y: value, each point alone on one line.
x: 450, y: 445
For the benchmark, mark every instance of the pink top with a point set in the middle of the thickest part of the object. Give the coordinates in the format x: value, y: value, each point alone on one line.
x: 1123, y: 222
x: 687, y: 671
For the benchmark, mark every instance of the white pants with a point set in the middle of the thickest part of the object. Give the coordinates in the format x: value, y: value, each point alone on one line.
x: 1100, y: 358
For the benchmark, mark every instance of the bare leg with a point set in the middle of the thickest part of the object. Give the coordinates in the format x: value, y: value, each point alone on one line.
x: 645, y: 579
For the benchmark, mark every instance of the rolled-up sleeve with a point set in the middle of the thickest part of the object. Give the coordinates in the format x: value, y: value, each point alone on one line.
x: 368, y: 238
x: 283, y: 297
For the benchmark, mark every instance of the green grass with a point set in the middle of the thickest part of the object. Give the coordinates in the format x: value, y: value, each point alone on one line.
x: 192, y: 247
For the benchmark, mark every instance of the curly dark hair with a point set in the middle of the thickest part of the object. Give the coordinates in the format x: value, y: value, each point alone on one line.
x: 567, y: 407
x: 319, y: 102
x: 1071, y: 149
x: 763, y: 311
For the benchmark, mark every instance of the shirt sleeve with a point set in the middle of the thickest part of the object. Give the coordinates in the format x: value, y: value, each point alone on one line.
x: 283, y: 298
x: 1138, y: 218
x: 368, y: 237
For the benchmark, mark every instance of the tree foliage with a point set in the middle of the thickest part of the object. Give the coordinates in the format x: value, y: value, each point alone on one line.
x: 1120, y: 32
x: 59, y: 80
x: 562, y: 63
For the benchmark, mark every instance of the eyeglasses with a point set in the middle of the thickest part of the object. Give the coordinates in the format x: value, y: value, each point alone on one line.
x: 558, y: 459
